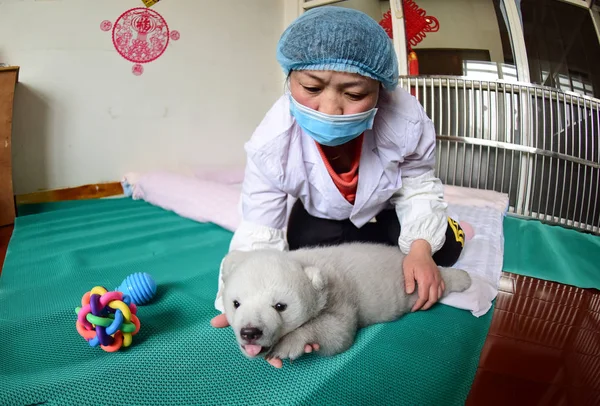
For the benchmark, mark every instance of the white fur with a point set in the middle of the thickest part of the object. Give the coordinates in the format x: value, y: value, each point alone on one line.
x: 330, y: 293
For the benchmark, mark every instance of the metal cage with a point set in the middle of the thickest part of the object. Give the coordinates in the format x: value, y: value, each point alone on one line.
x: 537, y: 144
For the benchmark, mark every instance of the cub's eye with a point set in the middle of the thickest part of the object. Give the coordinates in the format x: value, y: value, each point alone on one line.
x: 280, y: 307
x: 236, y: 304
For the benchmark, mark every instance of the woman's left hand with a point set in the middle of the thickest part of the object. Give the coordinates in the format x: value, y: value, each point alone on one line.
x: 419, y: 267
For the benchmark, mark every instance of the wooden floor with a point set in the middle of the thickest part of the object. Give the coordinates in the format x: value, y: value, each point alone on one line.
x: 543, y: 347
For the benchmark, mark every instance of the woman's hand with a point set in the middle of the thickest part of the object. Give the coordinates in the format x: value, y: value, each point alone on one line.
x: 420, y: 267
x: 220, y: 321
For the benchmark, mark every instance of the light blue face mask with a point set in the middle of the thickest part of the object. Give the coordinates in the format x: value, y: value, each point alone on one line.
x: 331, y: 130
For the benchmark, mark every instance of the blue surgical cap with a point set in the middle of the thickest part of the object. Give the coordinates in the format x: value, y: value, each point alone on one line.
x: 339, y: 39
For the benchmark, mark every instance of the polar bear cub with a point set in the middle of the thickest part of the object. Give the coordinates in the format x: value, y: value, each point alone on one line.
x: 277, y: 302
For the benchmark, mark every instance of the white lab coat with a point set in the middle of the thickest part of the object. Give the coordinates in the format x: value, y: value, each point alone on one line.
x: 396, y: 170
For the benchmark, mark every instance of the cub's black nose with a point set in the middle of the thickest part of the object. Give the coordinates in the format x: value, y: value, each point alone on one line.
x: 250, y: 333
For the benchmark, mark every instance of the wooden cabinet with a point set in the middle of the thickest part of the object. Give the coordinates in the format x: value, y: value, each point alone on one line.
x: 8, y: 80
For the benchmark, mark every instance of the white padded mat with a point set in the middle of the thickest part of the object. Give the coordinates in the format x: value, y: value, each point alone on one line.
x: 215, y: 199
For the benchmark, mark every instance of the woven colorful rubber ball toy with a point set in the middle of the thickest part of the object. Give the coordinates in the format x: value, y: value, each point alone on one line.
x: 107, y: 319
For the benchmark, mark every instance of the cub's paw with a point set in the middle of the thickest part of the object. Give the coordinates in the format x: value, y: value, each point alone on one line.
x: 291, y: 347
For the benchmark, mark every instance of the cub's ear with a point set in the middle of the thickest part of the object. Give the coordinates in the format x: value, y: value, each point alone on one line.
x: 314, y: 274
x: 231, y: 262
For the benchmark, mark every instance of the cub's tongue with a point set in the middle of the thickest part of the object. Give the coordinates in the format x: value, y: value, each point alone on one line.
x: 252, y: 349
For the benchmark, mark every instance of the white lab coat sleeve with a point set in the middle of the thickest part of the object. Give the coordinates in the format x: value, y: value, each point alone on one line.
x: 419, y: 204
x: 264, y: 216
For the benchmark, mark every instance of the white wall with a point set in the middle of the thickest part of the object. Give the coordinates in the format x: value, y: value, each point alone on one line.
x: 372, y: 8
x: 467, y: 24
x: 81, y: 116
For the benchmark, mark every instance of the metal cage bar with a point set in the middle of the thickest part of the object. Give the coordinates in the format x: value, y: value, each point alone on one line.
x: 537, y: 144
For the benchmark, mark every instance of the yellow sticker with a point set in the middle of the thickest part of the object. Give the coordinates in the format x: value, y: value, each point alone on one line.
x: 459, y: 234
x: 150, y: 3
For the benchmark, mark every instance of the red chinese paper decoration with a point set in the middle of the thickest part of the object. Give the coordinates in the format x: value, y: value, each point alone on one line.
x: 140, y: 35
x: 386, y: 23
x: 416, y: 24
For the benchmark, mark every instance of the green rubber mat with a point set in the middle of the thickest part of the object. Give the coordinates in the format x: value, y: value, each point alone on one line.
x: 551, y: 253
x: 59, y: 252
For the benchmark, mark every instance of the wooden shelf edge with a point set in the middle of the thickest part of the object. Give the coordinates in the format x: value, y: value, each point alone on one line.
x: 93, y: 191
x: 11, y: 69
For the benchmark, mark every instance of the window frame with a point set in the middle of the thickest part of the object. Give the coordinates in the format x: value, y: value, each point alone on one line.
x: 294, y: 8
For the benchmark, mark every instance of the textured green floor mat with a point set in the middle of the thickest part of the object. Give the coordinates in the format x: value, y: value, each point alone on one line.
x: 551, y: 253
x: 55, y: 256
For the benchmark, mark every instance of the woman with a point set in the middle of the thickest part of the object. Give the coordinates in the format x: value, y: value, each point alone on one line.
x: 355, y: 150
